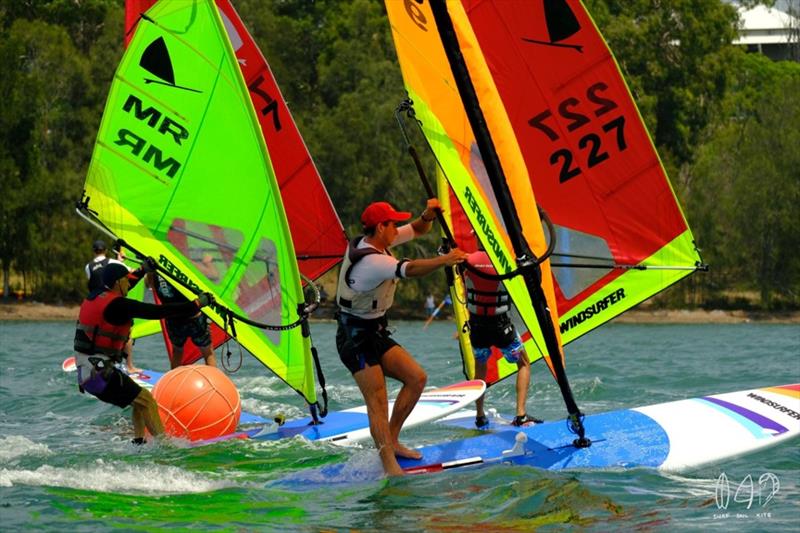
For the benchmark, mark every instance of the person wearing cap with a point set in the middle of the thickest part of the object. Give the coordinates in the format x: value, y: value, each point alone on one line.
x: 104, y: 324
x: 490, y: 325
x: 367, y: 281
x: 94, y: 275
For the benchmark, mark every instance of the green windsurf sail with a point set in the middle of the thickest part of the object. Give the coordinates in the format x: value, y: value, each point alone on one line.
x: 180, y: 172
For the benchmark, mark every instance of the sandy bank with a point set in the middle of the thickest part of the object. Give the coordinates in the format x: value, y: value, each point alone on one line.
x: 38, y: 311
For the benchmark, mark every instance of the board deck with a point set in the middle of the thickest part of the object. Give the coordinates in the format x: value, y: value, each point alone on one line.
x: 673, y: 436
x: 352, y: 425
x: 341, y: 427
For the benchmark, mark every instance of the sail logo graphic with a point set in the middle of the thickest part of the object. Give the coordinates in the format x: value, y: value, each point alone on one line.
x: 561, y: 24
x: 157, y: 61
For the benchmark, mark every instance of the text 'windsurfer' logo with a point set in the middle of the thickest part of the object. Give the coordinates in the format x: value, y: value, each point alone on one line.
x: 595, y: 309
x: 141, y: 147
x: 491, y: 240
x: 561, y: 24
x: 775, y: 405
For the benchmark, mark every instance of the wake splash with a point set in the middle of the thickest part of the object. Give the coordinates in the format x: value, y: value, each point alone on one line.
x: 15, y: 446
x: 116, y: 477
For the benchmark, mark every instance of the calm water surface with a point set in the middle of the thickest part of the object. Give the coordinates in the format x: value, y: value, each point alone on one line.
x: 66, y: 463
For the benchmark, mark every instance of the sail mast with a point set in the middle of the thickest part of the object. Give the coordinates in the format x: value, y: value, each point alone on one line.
x: 526, y: 260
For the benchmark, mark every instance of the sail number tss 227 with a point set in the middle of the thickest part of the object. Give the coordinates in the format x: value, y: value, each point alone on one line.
x: 575, y: 114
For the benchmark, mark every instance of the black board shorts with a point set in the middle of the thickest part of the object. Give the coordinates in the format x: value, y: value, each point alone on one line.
x: 485, y: 332
x: 195, y: 328
x: 360, y: 342
x: 120, y: 389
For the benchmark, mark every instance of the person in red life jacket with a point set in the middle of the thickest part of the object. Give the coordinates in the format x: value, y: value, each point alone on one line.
x: 367, y: 280
x: 94, y: 275
x: 103, y: 328
x: 180, y: 329
x: 490, y: 325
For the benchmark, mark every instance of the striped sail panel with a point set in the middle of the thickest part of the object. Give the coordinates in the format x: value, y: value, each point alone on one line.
x: 180, y: 172
x: 592, y: 164
x: 439, y: 107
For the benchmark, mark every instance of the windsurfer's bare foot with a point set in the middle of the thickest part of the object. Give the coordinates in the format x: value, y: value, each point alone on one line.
x: 133, y: 370
x: 389, y: 461
x: 407, y: 453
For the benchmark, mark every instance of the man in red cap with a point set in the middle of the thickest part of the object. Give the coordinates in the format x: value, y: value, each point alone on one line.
x: 367, y: 282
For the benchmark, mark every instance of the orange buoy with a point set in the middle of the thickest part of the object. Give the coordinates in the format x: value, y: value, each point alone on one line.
x: 197, y: 402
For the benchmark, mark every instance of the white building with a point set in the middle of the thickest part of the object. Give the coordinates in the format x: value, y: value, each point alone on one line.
x: 770, y: 31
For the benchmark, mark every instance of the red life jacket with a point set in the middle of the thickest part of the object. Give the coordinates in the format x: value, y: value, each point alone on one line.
x: 485, y: 297
x: 94, y: 335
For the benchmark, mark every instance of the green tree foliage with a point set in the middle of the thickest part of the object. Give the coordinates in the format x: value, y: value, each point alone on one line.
x: 48, y: 122
x: 749, y: 171
x: 336, y: 66
x: 713, y: 112
x: 676, y: 58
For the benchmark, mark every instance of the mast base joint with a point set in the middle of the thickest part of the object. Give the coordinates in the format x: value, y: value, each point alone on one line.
x: 582, y: 442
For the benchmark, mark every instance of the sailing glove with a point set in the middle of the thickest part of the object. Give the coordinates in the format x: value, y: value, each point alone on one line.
x: 149, y: 265
x: 205, y: 299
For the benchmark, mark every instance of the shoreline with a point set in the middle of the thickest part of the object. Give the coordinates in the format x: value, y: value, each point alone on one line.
x: 34, y: 311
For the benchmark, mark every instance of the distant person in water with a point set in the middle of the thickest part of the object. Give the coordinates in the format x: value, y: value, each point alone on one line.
x: 430, y: 305
x: 94, y: 275
x: 490, y: 326
x: 367, y: 281
x: 104, y: 325
x: 181, y: 329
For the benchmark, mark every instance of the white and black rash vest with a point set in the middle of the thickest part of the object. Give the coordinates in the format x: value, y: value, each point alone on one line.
x: 95, y: 269
x: 366, y: 304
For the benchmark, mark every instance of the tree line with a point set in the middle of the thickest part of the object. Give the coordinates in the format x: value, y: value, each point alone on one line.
x: 726, y: 124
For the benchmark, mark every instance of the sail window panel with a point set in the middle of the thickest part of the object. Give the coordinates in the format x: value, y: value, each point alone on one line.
x: 259, y: 290
x: 210, y: 248
x: 573, y: 247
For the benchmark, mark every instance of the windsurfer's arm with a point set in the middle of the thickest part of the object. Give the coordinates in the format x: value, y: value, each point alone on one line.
x: 122, y: 310
x: 148, y: 265
x: 424, y: 222
x: 420, y: 267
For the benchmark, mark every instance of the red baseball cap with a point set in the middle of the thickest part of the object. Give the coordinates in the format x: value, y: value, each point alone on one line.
x: 378, y: 212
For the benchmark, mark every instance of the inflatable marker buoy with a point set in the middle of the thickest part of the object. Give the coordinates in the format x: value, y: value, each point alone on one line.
x: 197, y: 402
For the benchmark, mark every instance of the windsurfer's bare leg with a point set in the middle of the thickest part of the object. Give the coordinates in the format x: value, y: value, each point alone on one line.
x: 145, y: 415
x: 523, y: 380
x: 397, y: 363
x: 128, y: 350
x: 372, y: 384
x: 208, y: 355
x: 177, y: 357
x: 480, y: 373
